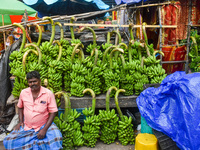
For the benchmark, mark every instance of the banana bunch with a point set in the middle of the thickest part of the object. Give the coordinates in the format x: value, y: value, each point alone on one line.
x: 93, y: 80
x: 151, y: 60
x: 158, y: 79
x: 126, y: 78
x: 106, y: 45
x: 67, y: 132
x: 140, y: 80
x: 78, y: 79
x: 88, y: 111
x: 153, y: 71
x: 91, y: 129
x: 69, y: 126
x: 55, y: 75
x: 15, y: 60
x: 109, y: 126
x: 19, y: 84
x: 92, y: 123
x: 127, y: 82
x: 125, y: 131
x: 46, y: 47
x: 111, y: 79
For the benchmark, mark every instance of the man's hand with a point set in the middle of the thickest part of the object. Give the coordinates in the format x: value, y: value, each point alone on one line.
x: 17, y: 127
x: 41, y: 134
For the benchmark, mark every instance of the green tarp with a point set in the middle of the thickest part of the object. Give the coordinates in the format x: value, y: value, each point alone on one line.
x: 13, y: 7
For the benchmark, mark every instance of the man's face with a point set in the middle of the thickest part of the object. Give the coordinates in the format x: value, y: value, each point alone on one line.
x: 34, y: 84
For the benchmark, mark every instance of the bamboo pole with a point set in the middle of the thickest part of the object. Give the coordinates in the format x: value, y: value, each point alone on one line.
x: 150, y: 5
x: 112, y: 25
x: 67, y: 17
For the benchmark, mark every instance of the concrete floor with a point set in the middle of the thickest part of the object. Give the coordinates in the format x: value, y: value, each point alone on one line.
x: 99, y: 146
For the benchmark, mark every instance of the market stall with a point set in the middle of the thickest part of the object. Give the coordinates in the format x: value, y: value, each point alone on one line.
x: 68, y: 66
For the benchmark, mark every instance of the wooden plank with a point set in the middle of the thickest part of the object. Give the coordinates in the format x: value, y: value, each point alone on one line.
x: 86, y: 101
x: 114, y: 25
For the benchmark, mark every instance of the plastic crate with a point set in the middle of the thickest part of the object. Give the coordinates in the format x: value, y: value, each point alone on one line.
x: 79, y: 110
x: 165, y: 142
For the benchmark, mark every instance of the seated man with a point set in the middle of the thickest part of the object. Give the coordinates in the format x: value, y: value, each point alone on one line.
x: 37, y: 109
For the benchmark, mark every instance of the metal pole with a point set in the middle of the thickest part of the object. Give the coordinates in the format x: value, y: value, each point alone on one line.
x: 160, y: 34
x: 188, y: 36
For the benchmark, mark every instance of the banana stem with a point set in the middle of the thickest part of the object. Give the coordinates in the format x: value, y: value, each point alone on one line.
x: 93, y: 98
x: 80, y: 54
x: 24, y: 35
x: 60, y: 49
x: 61, y: 30
x: 24, y: 57
x: 144, y: 33
x: 71, y: 28
x: 52, y: 30
x: 142, y: 62
x: 106, y: 52
x: 39, y: 51
x: 195, y: 45
x: 129, y: 50
x: 108, y: 38
x: 131, y: 31
x: 40, y: 33
x: 108, y: 97
x: 147, y: 49
x: 95, y: 50
x: 74, y: 50
x: 123, y: 60
x: 119, y: 36
x: 111, y: 55
x: 67, y: 103
x: 117, y: 103
x: 93, y: 33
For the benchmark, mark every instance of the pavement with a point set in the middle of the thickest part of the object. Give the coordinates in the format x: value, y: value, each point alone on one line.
x: 99, y: 146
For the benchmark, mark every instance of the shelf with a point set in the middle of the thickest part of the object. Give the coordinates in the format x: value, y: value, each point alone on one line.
x: 86, y: 101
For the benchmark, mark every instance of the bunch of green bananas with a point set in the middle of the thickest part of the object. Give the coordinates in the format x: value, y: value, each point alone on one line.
x: 91, y: 129
x: 111, y: 79
x: 93, y: 80
x: 69, y: 126
x: 92, y: 123
x: 109, y: 126
x: 78, y: 79
x: 125, y: 131
x: 140, y: 79
x: 55, y: 75
x: 20, y: 82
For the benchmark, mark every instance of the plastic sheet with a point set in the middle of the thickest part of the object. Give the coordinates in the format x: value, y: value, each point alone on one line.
x: 5, y: 84
x: 173, y: 108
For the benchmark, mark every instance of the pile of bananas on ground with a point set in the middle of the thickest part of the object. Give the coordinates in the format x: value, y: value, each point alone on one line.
x: 68, y: 125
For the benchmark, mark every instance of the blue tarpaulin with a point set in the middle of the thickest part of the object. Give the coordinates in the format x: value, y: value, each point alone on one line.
x: 118, y: 2
x: 174, y: 108
x: 65, y: 7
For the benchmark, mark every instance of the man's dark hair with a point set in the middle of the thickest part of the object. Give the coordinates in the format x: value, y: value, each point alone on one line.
x: 33, y: 74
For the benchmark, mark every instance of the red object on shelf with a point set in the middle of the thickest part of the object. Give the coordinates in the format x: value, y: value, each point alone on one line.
x: 18, y: 18
x: 173, y: 53
x: 179, y: 55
